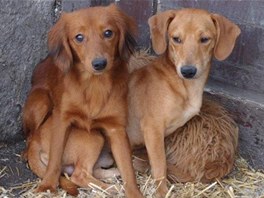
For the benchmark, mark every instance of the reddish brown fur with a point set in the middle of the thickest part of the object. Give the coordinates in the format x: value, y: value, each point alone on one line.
x: 71, y: 104
x: 160, y: 98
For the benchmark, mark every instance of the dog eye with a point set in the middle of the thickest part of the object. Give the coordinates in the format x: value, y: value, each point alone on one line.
x: 79, y: 38
x: 177, y: 40
x: 204, y: 39
x: 108, y: 34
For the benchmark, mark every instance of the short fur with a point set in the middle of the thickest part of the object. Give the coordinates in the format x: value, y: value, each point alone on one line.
x: 202, y: 150
x: 160, y: 98
x: 72, y: 107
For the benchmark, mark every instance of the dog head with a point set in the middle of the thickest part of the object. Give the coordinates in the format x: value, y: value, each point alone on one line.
x: 91, y: 39
x: 191, y: 37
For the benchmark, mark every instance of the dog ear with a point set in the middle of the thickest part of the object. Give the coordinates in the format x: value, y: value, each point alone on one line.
x: 227, y: 33
x: 158, y: 25
x: 58, y: 45
x: 127, y: 42
x: 128, y: 29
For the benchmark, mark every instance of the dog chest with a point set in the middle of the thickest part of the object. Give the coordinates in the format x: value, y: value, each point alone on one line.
x: 179, y: 118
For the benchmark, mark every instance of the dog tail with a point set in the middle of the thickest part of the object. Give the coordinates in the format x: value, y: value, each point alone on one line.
x: 204, y: 148
x: 68, y: 186
x: 139, y: 59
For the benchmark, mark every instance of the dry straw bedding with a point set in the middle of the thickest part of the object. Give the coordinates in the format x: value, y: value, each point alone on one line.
x: 242, y: 182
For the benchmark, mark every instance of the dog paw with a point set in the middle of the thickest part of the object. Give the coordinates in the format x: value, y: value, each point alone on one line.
x: 45, y: 188
x: 162, y: 190
x: 135, y: 193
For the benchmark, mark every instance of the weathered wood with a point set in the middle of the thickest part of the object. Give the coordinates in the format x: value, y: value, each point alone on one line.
x: 245, y: 67
x: 141, y: 10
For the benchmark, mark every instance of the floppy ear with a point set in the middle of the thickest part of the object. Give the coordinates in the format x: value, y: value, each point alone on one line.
x: 58, y: 45
x: 128, y: 29
x: 158, y: 25
x: 127, y: 42
x: 227, y: 33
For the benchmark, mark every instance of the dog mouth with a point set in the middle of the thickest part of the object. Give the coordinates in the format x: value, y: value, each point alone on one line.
x: 95, y: 72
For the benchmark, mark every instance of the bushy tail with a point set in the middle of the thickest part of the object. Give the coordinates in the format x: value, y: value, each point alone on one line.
x: 139, y: 59
x: 205, y: 147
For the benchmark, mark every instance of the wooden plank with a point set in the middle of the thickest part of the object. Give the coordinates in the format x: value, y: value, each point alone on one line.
x: 141, y: 10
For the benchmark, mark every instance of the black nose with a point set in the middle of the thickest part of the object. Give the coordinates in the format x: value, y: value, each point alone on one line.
x: 188, y: 71
x: 99, y: 64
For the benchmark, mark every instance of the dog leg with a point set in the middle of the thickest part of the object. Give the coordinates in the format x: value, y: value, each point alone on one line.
x: 60, y: 132
x: 141, y: 161
x: 36, y: 109
x: 34, y: 162
x: 119, y: 144
x: 154, y: 140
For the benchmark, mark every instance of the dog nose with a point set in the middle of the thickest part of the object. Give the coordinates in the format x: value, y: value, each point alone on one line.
x: 188, y: 71
x: 99, y: 64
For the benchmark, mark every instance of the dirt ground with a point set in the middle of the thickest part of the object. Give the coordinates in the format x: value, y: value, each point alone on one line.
x: 13, y: 170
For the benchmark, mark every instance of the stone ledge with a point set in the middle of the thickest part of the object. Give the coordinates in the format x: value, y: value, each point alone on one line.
x: 248, y: 112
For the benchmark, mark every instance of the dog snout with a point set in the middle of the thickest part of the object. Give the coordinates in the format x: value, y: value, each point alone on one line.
x: 188, y: 71
x: 99, y: 64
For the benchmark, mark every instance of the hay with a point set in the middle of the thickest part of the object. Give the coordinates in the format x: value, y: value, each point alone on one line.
x: 242, y: 182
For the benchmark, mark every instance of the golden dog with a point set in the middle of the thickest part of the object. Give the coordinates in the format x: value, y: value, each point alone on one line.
x: 167, y: 93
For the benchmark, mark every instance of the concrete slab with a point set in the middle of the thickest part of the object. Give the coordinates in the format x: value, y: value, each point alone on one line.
x: 247, y: 109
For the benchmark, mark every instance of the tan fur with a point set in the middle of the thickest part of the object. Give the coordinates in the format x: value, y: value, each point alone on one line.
x: 201, y: 150
x: 140, y: 59
x: 72, y: 107
x: 204, y: 148
x: 160, y: 98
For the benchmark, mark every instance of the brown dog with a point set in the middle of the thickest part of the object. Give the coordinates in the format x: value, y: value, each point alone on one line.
x: 167, y: 93
x: 79, y: 95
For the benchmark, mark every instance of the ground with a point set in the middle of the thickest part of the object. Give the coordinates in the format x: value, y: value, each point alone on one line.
x: 13, y: 170
x: 16, y: 180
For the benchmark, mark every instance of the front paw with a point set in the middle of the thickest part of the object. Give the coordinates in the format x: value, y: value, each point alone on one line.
x: 136, y: 193
x: 44, y: 187
x: 162, y: 190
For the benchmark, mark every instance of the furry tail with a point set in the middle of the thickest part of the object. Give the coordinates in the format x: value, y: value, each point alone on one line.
x: 204, y: 148
x: 139, y: 59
